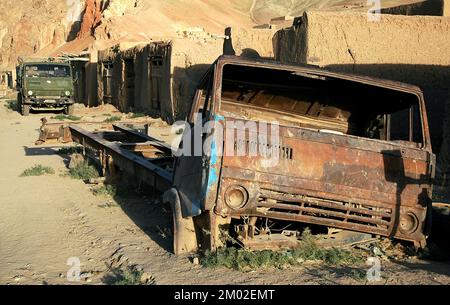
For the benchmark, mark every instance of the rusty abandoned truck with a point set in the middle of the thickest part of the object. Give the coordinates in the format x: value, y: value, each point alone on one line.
x: 44, y: 84
x: 351, y: 153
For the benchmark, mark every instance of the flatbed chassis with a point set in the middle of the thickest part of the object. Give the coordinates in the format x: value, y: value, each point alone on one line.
x: 137, y: 154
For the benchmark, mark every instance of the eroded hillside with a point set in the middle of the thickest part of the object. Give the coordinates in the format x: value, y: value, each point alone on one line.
x: 27, y: 26
x: 44, y: 26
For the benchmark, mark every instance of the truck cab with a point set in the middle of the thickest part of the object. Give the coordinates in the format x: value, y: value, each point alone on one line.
x: 269, y: 148
x: 45, y: 85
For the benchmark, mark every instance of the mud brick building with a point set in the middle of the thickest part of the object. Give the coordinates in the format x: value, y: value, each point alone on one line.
x: 160, y: 77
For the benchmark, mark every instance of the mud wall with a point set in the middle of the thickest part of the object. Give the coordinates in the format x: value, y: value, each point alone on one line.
x: 192, y: 57
x: 139, y: 78
x: 404, y: 48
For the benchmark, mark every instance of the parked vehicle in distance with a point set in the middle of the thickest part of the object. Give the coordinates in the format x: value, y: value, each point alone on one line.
x: 45, y: 85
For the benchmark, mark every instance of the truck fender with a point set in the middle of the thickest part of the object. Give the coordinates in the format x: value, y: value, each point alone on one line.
x: 184, y: 236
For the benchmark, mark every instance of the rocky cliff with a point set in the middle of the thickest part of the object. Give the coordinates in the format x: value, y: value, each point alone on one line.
x: 28, y: 26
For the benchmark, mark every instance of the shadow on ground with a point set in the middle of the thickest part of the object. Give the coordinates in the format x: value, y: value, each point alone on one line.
x: 46, y: 151
x: 428, y: 266
x: 331, y: 275
x: 144, y: 207
x: 139, y: 202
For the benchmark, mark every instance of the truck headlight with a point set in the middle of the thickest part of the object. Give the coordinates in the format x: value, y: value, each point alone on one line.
x: 409, y: 223
x: 236, y: 197
x: 30, y: 92
x: 67, y: 93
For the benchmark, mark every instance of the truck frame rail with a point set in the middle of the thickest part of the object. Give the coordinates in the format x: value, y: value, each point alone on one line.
x: 135, y: 153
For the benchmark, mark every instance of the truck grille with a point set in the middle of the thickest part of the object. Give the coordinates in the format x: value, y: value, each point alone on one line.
x: 346, y: 215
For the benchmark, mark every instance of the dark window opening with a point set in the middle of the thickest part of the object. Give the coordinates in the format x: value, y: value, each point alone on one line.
x: 79, y: 81
x: 129, y: 82
x: 10, y: 80
x: 321, y: 103
x: 405, y: 125
x: 42, y: 70
x: 156, y: 60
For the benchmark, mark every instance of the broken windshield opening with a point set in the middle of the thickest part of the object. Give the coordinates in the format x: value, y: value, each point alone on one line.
x: 42, y: 70
x: 327, y: 104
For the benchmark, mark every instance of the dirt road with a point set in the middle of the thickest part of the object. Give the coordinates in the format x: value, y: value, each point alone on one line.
x: 46, y: 221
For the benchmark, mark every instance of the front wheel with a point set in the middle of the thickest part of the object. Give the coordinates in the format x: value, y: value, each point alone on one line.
x: 69, y: 109
x: 25, y: 109
x: 19, y: 103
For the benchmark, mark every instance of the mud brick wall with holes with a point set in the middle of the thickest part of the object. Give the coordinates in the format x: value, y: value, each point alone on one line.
x: 160, y: 78
x: 403, y: 48
x: 130, y: 78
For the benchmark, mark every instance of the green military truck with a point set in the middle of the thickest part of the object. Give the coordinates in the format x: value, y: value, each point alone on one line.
x: 45, y: 84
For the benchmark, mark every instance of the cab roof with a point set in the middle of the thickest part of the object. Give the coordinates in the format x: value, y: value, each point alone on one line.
x: 314, y: 70
x: 46, y: 63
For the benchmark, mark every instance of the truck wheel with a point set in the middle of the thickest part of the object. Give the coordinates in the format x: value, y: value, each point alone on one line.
x: 184, y: 236
x: 19, y: 103
x: 25, y: 110
x: 69, y: 110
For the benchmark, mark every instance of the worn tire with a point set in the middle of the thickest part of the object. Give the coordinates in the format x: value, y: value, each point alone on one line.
x: 69, y: 110
x: 25, y: 110
x: 19, y: 103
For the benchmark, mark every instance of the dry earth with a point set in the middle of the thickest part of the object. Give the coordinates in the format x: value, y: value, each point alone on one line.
x: 46, y: 220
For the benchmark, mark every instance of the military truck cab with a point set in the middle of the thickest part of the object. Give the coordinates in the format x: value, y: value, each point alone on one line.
x: 45, y: 85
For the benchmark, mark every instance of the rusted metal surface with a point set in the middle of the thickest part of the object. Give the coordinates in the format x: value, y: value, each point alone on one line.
x: 326, y: 178
x: 336, y: 185
x: 60, y: 131
x: 139, y: 136
x: 340, y: 163
x: 155, y: 173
